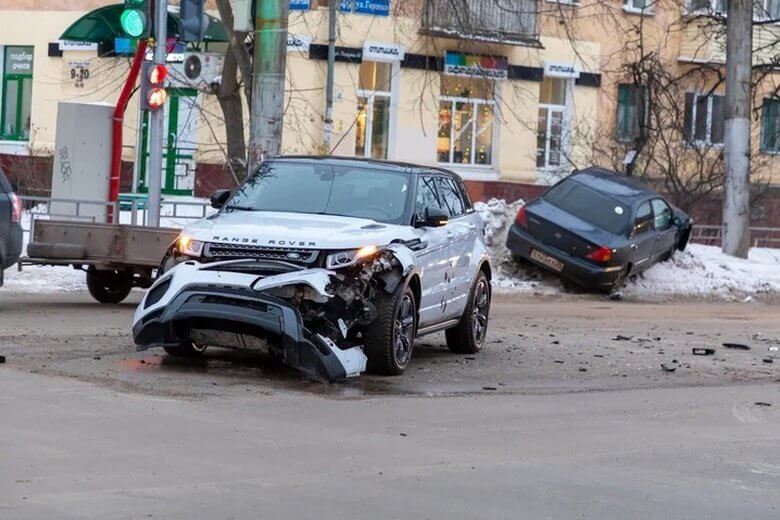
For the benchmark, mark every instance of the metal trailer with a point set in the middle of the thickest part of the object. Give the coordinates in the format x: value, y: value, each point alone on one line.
x: 115, y: 257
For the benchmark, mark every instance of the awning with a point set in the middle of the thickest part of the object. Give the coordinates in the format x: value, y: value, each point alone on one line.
x: 102, y: 26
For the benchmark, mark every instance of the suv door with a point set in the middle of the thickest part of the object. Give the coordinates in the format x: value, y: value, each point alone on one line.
x: 433, y: 259
x: 642, y: 240
x: 462, y: 235
x: 665, y: 230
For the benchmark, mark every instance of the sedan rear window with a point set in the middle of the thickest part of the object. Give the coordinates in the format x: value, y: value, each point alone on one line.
x: 590, y: 205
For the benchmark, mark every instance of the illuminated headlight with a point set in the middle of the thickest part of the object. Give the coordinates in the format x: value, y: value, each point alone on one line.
x: 190, y: 247
x: 350, y: 257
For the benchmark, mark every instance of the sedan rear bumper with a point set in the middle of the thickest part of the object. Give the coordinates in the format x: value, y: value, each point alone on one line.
x: 583, y: 273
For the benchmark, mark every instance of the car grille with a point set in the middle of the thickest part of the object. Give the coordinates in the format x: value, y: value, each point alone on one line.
x: 286, y: 254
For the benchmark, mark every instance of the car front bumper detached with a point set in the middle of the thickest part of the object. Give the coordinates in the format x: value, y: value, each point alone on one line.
x: 235, y: 315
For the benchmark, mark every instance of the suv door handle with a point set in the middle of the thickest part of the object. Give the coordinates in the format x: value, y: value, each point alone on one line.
x: 449, y: 233
x: 634, y: 246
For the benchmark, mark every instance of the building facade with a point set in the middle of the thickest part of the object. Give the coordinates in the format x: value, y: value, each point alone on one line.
x: 500, y: 96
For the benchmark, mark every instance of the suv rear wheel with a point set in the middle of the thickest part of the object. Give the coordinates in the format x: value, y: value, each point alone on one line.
x: 390, y: 337
x: 468, y: 336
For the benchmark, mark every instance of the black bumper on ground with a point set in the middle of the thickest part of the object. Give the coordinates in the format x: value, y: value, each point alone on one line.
x: 579, y: 271
x: 245, y: 311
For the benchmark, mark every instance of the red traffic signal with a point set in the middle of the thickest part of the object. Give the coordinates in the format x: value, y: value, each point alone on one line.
x: 153, y: 93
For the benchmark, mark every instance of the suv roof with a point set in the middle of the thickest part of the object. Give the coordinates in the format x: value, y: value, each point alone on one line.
x: 375, y: 163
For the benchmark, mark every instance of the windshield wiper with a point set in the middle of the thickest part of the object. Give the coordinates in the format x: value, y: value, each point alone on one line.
x: 240, y: 208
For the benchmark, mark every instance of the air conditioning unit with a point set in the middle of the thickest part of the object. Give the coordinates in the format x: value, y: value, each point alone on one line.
x: 197, y: 69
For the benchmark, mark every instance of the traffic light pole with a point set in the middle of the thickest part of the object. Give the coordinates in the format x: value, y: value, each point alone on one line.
x: 156, y: 119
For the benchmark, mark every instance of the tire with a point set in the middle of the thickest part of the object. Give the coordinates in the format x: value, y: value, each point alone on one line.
x: 185, y: 350
x: 468, y: 336
x: 669, y: 254
x: 618, y: 284
x: 389, y: 339
x: 108, y: 286
x: 167, y: 263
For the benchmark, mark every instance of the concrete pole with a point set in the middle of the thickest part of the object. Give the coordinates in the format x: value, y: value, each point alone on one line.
x: 156, y: 119
x: 268, y: 79
x: 736, y: 181
x: 329, y: 80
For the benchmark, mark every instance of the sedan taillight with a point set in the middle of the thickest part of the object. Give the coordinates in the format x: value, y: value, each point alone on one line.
x: 601, y: 255
x: 16, y: 207
x: 521, y: 219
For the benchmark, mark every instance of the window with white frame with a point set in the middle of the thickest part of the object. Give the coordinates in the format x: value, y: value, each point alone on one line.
x: 552, y: 122
x: 712, y: 6
x: 704, y: 118
x: 767, y: 10
x: 373, y: 110
x: 770, y: 126
x: 639, y: 6
x: 466, y: 121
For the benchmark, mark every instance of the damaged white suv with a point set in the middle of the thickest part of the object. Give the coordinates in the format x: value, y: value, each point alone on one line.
x: 331, y: 265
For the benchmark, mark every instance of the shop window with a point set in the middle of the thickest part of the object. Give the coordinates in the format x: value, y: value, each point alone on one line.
x: 466, y: 120
x: 16, y: 93
x: 373, y: 110
x: 630, y: 110
x: 770, y: 126
x: 551, y: 129
x: 704, y: 118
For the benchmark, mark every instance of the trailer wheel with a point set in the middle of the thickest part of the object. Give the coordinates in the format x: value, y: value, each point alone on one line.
x: 108, y: 286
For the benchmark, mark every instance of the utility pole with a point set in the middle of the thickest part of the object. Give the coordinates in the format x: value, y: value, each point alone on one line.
x: 736, y: 180
x: 156, y: 119
x: 268, y: 79
x: 329, y: 80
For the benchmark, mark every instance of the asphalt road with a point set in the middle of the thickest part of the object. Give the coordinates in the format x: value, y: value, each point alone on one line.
x: 91, y: 429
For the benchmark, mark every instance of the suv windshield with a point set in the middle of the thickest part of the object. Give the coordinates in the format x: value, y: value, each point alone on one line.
x: 376, y: 194
x: 592, y: 206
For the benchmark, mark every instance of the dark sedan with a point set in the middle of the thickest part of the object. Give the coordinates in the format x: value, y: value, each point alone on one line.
x: 10, y: 229
x: 596, y: 228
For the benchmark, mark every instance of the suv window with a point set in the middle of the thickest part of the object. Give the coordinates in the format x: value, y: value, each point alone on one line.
x: 644, y: 219
x: 464, y: 195
x: 663, y: 214
x: 450, y: 196
x: 427, y: 196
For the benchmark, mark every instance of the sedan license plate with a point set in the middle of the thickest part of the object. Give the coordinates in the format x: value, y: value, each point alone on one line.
x: 547, y: 260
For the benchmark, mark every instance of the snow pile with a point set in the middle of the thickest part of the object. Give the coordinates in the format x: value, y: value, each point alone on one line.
x: 704, y: 271
x: 700, y: 271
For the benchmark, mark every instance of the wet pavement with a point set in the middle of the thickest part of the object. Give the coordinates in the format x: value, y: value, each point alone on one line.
x: 534, y: 346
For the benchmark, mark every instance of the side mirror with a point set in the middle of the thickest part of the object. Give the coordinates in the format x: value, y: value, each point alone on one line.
x: 678, y: 222
x: 219, y: 198
x: 434, y: 217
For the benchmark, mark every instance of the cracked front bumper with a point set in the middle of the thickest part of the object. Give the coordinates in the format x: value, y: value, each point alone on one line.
x: 240, y: 311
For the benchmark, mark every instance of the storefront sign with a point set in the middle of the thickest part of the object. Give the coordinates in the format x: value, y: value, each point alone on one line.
x: 372, y: 7
x: 489, y: 67
x: 561, y: 70
x: 298, y: 43
x: 18, y: 60
x: 377, y: 51
x: 67, y: 45
x: 299, y: 5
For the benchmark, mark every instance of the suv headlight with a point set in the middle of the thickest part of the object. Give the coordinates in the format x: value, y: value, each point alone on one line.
x: 190, y: 247
x: 350, y: 257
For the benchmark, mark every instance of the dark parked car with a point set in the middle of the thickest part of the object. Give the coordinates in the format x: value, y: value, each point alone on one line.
x: 596, y: 228
x: 10, y: 229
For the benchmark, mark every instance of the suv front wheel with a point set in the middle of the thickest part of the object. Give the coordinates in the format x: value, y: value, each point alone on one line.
x: 390, y: 337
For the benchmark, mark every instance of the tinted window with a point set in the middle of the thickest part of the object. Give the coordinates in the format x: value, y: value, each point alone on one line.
x: 464, y: 194
x: 427, y: 196
x: 5, y: 186
x: 644, y: 219
x: 663, y: 214
x: 327, y: 190
x: 450, y: 196
x: 590, y: 205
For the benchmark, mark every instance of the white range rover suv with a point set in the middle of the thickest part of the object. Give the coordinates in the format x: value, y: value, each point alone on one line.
x: 333, y: 265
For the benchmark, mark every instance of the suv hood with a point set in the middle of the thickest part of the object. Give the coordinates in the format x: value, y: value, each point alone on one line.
x: 280, y: 229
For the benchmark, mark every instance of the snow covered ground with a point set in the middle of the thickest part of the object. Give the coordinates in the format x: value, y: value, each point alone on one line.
x: 699, y: 272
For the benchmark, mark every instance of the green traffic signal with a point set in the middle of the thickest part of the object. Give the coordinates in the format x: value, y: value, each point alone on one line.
x: 133, y: 22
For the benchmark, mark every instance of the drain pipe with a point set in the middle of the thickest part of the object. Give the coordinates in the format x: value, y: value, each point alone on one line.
x: 116, y: 131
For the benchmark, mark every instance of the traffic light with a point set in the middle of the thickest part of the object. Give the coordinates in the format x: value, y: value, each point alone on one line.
x: 192, y: 21
x: 136, y: 18
x: 153, y: 93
